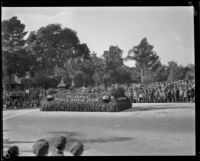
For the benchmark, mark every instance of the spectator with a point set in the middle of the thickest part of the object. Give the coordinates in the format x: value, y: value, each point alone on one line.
x: 41, y: 148
x: 77, y: 149
x: 12, y: 152
x: 21, y: 99
x: 185, y: 95
x: 162, y: 92
x: 59, y: 147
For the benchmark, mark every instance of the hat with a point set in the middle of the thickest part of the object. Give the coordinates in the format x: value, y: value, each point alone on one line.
x: 40, y: 148
x: 60, y: 142
x: 77, y: 149
x: 13, y: 151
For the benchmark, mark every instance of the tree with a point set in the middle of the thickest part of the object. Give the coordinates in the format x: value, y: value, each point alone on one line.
x: 123, y: 75
x: 53, y: 45
x: 13, y: 34
x: 114, y: 55
x: 15, y: 58
x: 173, y: 71
x: 88, y: 69
x: 186, y: 72
x: 161, y: 73
x: 113, y: 62
x: 73, y: 69
x: 101, y: 72
x: 190, y: 71
x: 97, y: 64
x: 144, y: 56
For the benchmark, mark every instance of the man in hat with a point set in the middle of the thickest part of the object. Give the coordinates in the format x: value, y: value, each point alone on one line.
x: 77, y: 149
x: 41, y: 147
x: 59, y: 147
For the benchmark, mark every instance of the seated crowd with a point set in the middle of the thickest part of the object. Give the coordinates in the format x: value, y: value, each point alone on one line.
x: 42, y: 148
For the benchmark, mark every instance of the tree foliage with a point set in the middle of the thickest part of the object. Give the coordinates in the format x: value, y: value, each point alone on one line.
x: 53, y: 45
x: 173, y: 71
x: 53, y: 52
x: 144, y: 56
x: 14, y: 55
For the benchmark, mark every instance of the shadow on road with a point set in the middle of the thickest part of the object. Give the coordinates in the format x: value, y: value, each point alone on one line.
x: 65, y: 133
x: 155, y: 107
x: 7, y: 141
x: 72, y: 137
x: 107, y: 139
x: 75, y: 137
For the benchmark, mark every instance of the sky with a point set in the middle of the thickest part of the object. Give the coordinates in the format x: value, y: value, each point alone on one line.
x: 169, y: 29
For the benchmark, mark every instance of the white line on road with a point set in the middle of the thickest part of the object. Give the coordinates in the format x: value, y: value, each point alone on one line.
x: 18, y: 115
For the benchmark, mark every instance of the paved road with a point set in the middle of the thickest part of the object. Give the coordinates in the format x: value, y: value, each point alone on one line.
x: 146, y: 129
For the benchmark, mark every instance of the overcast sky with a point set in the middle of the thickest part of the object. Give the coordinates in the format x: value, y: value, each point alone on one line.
x: 169, y: 29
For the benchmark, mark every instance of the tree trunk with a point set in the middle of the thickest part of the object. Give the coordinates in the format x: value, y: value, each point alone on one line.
x: 187, y: 77
x: 10, y: 81
x: 142, y: 75
x: 73, y: 83
x: 105, y: 85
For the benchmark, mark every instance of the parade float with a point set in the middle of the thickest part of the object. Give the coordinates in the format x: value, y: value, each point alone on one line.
x: 65, y: 100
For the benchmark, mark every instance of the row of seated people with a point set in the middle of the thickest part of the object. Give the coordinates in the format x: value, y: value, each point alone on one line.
x: 41, y: 148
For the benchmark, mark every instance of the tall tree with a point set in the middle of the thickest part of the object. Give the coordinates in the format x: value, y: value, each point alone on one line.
x: 88, y: 69
x: 173, y: 71
x: 190, y: 71
x: 14, y: 56
x: 185, y: 72
x: 73, y: 68
x: 161, y: 72
x: 113, y: 63
x: 144, y: 56
x: 98, y: 66
x: 53, y: 45
x: 114, y: 55
x: 13, y: 32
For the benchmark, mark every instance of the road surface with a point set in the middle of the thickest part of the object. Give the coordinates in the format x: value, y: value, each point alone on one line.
x: 146, y: 129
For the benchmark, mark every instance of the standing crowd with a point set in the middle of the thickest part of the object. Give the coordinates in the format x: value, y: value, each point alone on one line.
x: 160, y: 92
x: 23, y: 99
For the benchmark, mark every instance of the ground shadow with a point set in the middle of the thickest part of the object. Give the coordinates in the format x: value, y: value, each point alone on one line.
x: 7, y: 141
x: 65, y: 133
x: 107, y: 139
x: 75, y: 137
x: 72, y: 140
x: 71, y: 136
x: 154, y: 107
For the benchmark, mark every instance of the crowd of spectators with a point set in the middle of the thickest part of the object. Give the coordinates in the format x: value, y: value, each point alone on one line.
x: 160, y: 92
x: 157, y: 92
x: 16, y: 99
